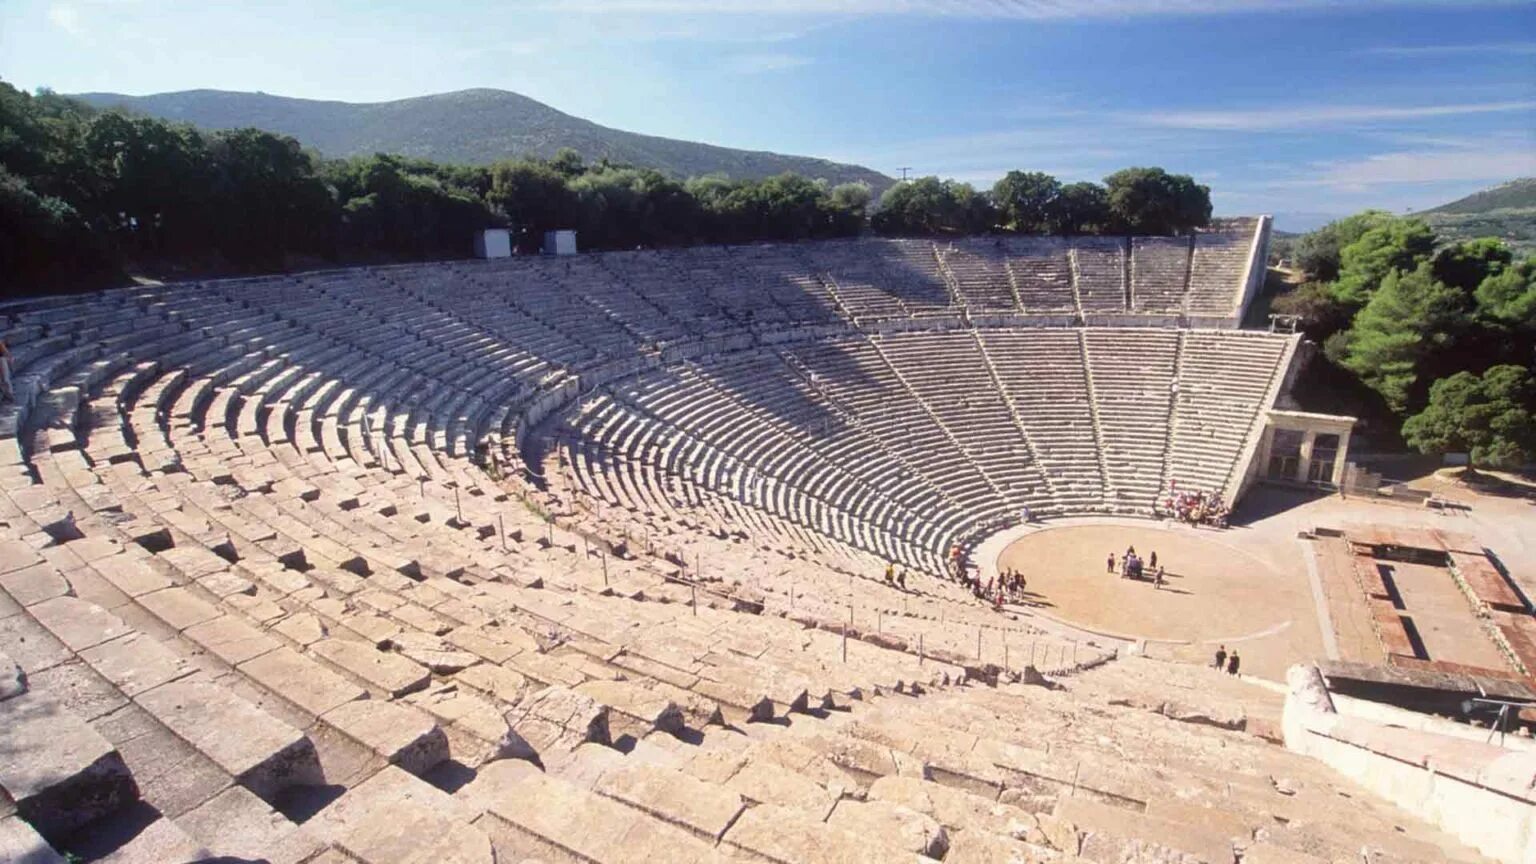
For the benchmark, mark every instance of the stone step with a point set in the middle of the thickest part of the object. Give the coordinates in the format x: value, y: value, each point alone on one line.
x: 260, y: 751
x: 59, y: 773
x: 531, y: 814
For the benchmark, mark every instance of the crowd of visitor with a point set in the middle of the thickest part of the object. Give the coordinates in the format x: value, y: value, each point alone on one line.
x: 1132, y: 566
x: 1195, y: 508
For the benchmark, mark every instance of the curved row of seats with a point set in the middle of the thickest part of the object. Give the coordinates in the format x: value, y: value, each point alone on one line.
x: 256, y: 602
x: 902, y: 444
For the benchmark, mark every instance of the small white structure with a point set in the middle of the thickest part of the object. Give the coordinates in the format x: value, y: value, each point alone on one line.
x: 493, y: 243
x: 560, y: 242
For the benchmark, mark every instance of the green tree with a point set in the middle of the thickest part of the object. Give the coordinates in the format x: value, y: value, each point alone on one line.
x: 568, y: 163
x: 1398, y: 244
x: 1152, y: 201
x: 1408, y: 321
x: 1027, y: 201
x: 1317, y: 252
x: 1489, y: 417
x: 1509, y: 297
x: 534, y: 197
x: 151, y: 182
x: 1081, y: 208
x: 270, y: 201
x: 1466, y: 264
x: 43, y: 241
x: 929, y: 205
x: 1321, y: 314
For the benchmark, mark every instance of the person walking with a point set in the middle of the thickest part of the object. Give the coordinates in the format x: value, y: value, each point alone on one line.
x: 1152, y: 561
x: 1233, y: 662
x: 1221, y: 657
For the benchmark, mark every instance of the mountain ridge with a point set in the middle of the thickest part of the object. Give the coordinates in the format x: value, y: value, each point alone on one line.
x: 475, y: 126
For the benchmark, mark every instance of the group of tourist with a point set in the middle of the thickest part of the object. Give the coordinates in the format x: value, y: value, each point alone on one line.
x: 1007, y: 587
x: 1196, y: 508
x: 1133, y: 567
x: 895, y: 578
x: 1230, y: 661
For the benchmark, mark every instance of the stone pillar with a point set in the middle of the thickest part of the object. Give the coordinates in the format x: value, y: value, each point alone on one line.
x: 1304, y: 460
x: 1341, y: 458
x: 1266, y: 443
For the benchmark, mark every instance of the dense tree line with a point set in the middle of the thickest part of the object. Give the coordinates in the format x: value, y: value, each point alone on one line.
x: 85, y: 192
x: 1444, y: 333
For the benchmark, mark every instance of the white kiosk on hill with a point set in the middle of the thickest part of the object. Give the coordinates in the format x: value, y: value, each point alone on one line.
x: 560, y: 242
x: 493, y: 243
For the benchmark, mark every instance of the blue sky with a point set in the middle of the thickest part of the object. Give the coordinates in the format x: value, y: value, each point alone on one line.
x: 1294, y: 107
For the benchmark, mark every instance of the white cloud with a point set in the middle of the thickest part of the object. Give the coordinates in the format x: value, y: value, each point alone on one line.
x: 755, y: 64
x: 1428, y: 166
x: 1262, y: 119
x: 1517, y: 48
x: 66, y: 17
x: 1021, y: 9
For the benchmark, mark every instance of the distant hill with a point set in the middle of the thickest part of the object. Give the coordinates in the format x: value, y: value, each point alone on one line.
x: 1506, y: 211
x: 1516, y: 194
x: 468, y: 126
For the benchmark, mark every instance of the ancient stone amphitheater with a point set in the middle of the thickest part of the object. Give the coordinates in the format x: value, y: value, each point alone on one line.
x: 267, y: 596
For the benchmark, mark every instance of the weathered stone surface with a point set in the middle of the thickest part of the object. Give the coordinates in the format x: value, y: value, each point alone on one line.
x: 398, y: 733
x: 574, y: 822
x: 59, y: 772
x: 79, y: 689
x: 32, y: 647
x: 301, y: 681
x: 430, y: 651
x: 1115, y: 834
x: 636, y: 703
x: 491, y: 648
x: 260, y: 751
x: 20, y: 844
x: 1264, y: 853
x: 159, y: 842
x: 767, y: 782
x: 464, y: 712
x: 498, y: 682
x: 136, y: 663
x: 388, y: 673
x: 979, y: 847
x: 13, y: 680
x: 394, y: 816
x: 178, y: 607
x: 34, y: 584
x: 78, y: 624
x: 788, y: 836
x: 130, y: 575
x: 557, y: 719
x: 914, y: 831
x: 304, y: 628
x: 17, y: 555
x: 194, y: 562
x: 954, y: 808
x: 236, y: 823
x: 704, y: 809
x: 231, y: 639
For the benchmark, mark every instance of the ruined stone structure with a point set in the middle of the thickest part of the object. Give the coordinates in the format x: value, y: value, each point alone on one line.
x: 579, y: 559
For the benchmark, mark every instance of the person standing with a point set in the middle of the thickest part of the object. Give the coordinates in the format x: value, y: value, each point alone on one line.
x: 1221, y: 657
x: 1233, y: 662
x: 5, y: 372
x: 1110, y: 567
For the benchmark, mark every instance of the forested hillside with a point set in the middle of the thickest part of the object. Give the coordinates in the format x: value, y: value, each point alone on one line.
x: 1507, y: 211
x: 86, y: 195
x: 1436, y: 335
x: 470, y: 127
